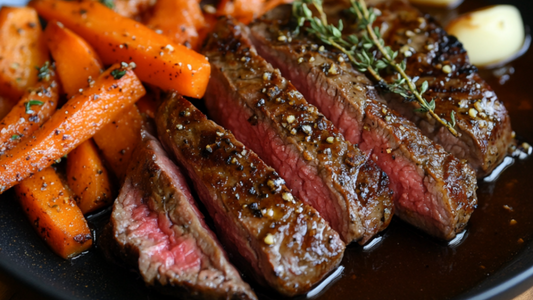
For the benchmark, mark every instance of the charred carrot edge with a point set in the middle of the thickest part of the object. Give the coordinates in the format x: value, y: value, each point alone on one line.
x: 88, y: 178
x: 160, y: 62
x: 54, y: 214
x: 76, y: 61
x: 22, y: 50
x: 118, y: 139
x: 178, y: 19
x: 34, y: 108
x: 78, y: 120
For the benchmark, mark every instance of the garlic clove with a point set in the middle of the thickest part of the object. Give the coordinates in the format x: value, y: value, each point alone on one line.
x: 438, y: 3
x: 490, y: 35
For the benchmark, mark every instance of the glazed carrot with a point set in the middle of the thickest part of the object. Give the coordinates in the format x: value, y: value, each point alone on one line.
x: 147, y: 105
x: 34, y: 108
x: 54, y: 214
x: 22, y: 48
x: 79, y: 119
x: 159, y: 61
x: 76, y: 61
x: 118, y: 139
x: 88, y: 178
x: 245, y: 11
x: 179, y: 20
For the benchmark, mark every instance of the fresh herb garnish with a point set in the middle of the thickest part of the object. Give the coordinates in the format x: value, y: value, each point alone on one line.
x: 43, y: 72
x: 31, y: 103
x: 361, y: 51
x: 15, y: 137
x: 118, y: 73
x: 108, y: 3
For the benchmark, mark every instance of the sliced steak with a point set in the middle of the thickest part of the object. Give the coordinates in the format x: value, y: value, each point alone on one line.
x: 433, y: 190
x: 284, y: 243
x: 264, y: 111
x: 156, y: 228
x: 434, y: 56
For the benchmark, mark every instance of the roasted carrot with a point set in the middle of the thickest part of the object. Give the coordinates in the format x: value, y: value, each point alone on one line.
x: 118, y: 139
x: 179, y: 20
x: 76, y: 61
x: 34, y: 108
x: 79, y: 119
x: 159, y: 61
x: 246, y: 11
x: 88, y: 178
x: 54, y: 214
x: 22, y: 49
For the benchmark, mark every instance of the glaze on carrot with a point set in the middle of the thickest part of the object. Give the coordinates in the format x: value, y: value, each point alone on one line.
x: 78, y: 120
x: 54, y: 214
x: 22, y: 50
x: 76, y: 61
x: 160, y: 62
x: 34, y: 108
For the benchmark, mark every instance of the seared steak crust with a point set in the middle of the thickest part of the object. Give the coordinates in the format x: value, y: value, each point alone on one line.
x: 156, y: 227
x: 440, y: 59
x: 433, y: 190
x: 264, y: 111
x: 284, y: 242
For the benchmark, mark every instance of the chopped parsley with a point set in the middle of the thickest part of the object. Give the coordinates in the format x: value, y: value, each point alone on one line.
x: 108, y: 3
x: 31, y: 103
x: 44, y: 71
x: 15, y: 137
x: 118, y: 73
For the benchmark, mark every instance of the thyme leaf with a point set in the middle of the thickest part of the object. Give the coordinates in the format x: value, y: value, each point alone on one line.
x: 367, y: 53
x: 31, y: 103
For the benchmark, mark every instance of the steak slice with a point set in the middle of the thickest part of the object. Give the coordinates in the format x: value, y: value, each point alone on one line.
x: 283, y: 242
x: 433, y: 190
x: 434, y: 56
x: 156, y: 227
x: 264, y: 111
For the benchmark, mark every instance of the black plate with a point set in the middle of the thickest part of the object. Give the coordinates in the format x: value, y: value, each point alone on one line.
x: 489, y: 262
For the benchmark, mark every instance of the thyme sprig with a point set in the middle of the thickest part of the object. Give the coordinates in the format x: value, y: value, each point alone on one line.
x: 363, y: 52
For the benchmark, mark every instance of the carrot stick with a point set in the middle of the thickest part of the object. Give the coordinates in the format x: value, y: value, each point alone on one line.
x: 118, y: 139
x: 130, y: 8
x: 76, y: 61
x: 79, y: 119
x: 33, y: 109
x: 88, y: 178
x: 22, y: 48
x: 179, y: 20
x: 53, y: 213
x: 159, y: 61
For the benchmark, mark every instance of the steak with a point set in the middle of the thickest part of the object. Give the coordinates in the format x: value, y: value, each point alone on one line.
x: 156, y: 228
x: 281, y: 241
x: 433, y: 56
x: 433, y: 190
x: 264, y: 111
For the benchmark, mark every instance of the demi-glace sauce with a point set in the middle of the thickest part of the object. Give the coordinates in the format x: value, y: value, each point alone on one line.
x: 407, y: 264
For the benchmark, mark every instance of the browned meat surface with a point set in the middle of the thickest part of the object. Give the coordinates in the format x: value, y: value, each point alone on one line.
x: 284, y: 243
x: 433, y: 190
x: 156, y: 228
x: 264, y: 111
x: 431, y: 53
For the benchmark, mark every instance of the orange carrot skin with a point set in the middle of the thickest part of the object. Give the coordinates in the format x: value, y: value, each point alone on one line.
x: 132, y: 8
x: 20, y: 121
x: 88, y: 178
x: 159, y: 61
x: 54, y: 214
x: 178, y: 19
x: 118, y: 139
x: 76, y: 60
x: 22, y: 49
x: 78, y: 120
